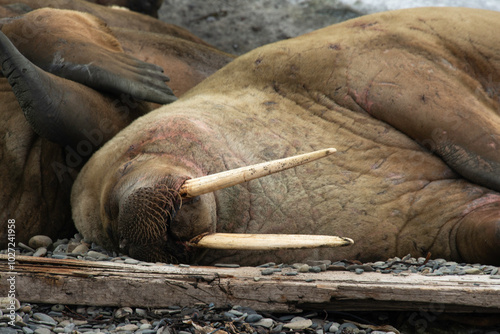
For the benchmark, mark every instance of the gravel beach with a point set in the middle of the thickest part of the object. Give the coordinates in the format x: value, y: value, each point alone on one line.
x: 70, y: 318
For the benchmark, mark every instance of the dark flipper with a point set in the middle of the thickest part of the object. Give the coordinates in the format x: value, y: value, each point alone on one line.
x: 60, y: 110
x: 80, y: 47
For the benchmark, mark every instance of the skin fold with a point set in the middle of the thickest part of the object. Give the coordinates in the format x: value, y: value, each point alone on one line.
x: 75, y: 86
x: 408, y: 98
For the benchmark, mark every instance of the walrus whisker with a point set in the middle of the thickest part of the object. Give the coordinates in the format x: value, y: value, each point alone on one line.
x: 206, y: 184
x: 243, y: 241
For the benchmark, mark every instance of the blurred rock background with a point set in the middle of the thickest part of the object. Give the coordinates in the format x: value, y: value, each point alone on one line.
x: 238, y: 26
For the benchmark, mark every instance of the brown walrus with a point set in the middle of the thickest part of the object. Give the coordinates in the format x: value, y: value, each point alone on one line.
x: 82, y: 86
x: 410, y: 100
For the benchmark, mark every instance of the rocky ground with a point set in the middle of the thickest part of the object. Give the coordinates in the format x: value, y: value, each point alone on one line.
x: 204, y: 319
x: 238, y: 26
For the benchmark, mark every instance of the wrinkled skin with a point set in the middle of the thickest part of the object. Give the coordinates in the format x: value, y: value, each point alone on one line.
x: 410, y: 100
x: 37, y: 173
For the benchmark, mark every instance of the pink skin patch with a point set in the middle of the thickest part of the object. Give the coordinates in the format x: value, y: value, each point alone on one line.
x: 480, y: 202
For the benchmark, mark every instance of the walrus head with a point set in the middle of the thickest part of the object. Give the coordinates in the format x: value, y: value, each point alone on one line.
x: 154, y: 210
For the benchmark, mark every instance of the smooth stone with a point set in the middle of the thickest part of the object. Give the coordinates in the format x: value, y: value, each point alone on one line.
x: 8, y: 330
x: 6, y: 302
x: 61, y: 249
x: 265, y: 322
x: 347, y: 325
x: 26, y: 247
x: 141, y: 312
x: 41, y: 330
x: 315, y: 269
x: 267, y: 271
x: 359, y: 271
x: 72, y: 245
x: 299, y: 324
x: 128, y: 327
x: 58, y: 330
x: 27, y: 330
x: 145, y: 326
x: 40, y: 252
x: 38, y: 241
x: 96, y: 255
x: 320, y: 263
x: 131, y: 261
x: 123, y: 312
x: 334, y: 327
x: 495, y: 276
x: 59, y: 242
x: 80, y: 322
x: 57, y: 308
x: 45, y: 318
x: 473, y: 271
x: 80, y: 249
x: 253, y: 318
x: 226, y: 265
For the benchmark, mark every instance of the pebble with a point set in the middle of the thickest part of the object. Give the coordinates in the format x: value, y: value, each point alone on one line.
x: 265, y: 322
x: 42, y: 330
x: 40, y: 252
x: 80, y: 249
x: 299, y: 324
x: 38, y: 241
x: 44, y: 318
x: 253, y: 318
x: 129, y: 327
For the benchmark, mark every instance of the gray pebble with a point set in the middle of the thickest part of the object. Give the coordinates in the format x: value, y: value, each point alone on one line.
x: 96, y: 255
x: 141, y: 312
x: 41, y: 330
x: 226, y: 265
x: 267, y: 271
x: 359, y: 271
x: 315, y: 269
x: 38, y: 241
x: 27, y: 330
x: 57, y: 308
x: 45, y: 318
x: 26, y: 247
x: 253, y: 318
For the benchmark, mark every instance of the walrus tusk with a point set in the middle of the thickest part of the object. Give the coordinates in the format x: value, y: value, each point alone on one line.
x: 206, y: 184
x: 237, y: 241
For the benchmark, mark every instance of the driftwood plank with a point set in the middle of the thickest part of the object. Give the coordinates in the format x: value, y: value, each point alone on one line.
x: 41, y: 280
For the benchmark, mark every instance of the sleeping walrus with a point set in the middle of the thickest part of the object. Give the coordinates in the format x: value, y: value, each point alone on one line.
x: 70, y: 84
x: 410, y: 99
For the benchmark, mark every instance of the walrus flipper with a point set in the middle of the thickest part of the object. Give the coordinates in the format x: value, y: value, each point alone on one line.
x: 58, y: 109
x: 115, y: 73
x: 80, y: 47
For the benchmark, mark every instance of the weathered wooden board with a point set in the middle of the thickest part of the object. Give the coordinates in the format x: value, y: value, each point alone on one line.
x: 41, y: 280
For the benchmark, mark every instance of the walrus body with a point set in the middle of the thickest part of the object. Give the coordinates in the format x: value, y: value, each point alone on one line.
x: 37, y: 168
x: 409, y: 99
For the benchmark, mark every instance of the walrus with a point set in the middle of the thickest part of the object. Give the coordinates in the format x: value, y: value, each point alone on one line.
x: 69, y: 69
x: 410, y: 100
